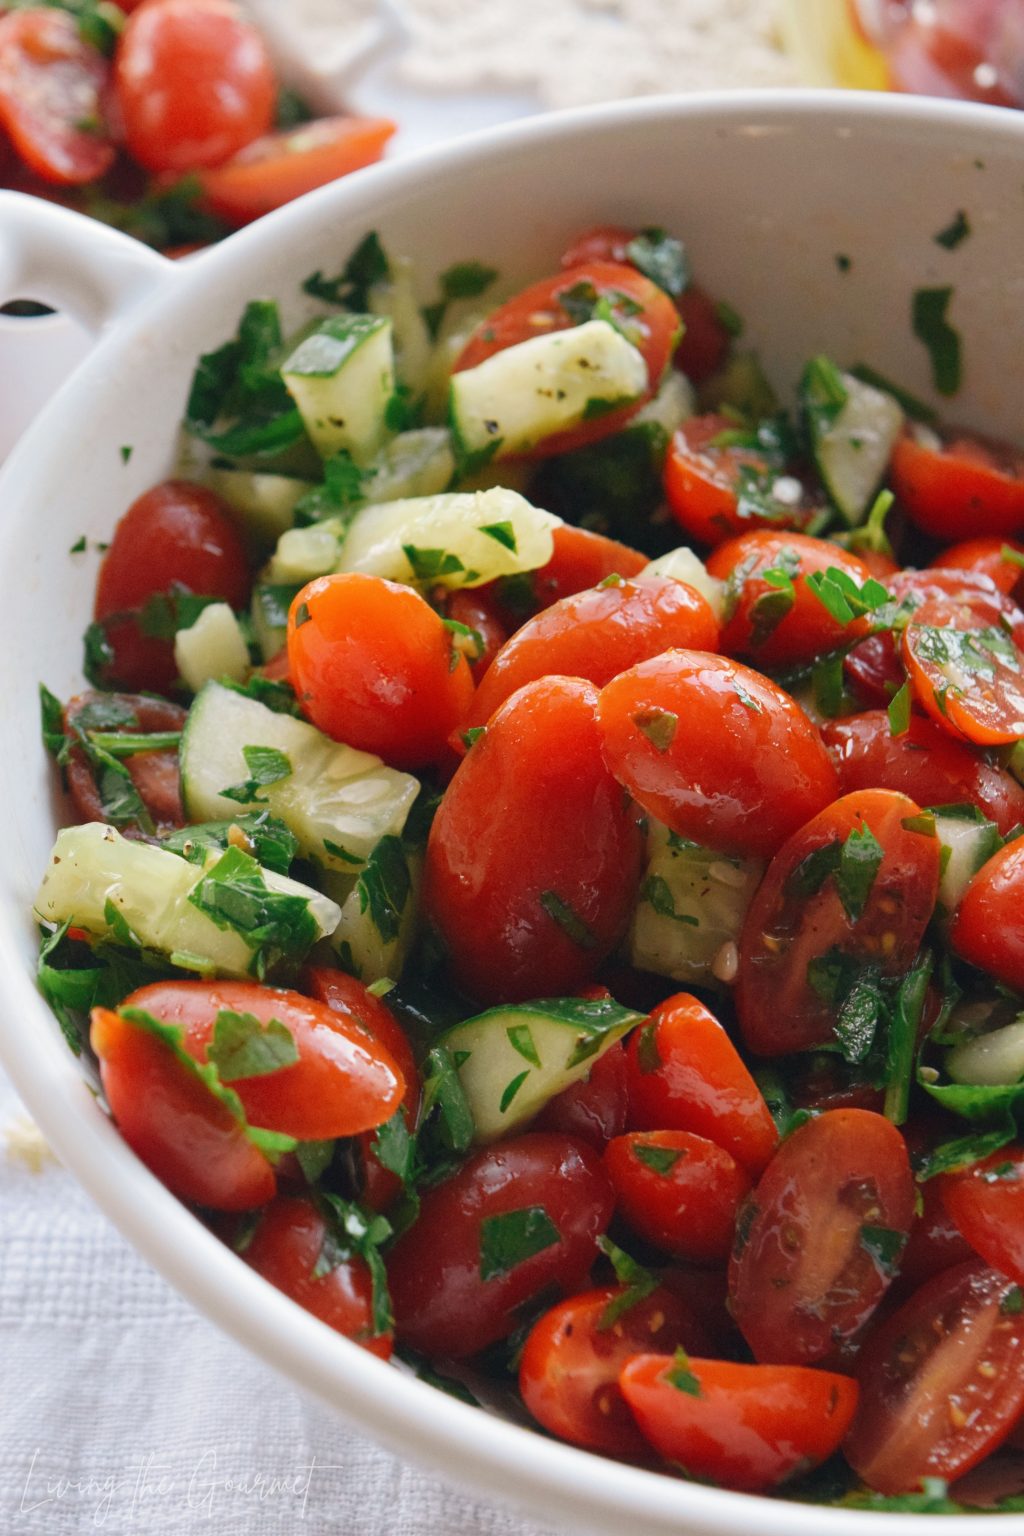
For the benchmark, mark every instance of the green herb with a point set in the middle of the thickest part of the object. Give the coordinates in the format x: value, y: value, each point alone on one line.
x: 885, y: 1245
x: 823, y: 395
x: 808, y: 877
x: 471, y: 736
x: 729, y: 319
x: 52, y: 712
x: 660, y: 1159
x: 243, y: 1046
x: 639, y: 1284
x: 932, y: 1500
x: 266, y: 766
x: 745, y: 698
x: 844, y: 263
x: 502, y: 533
x: 930, y: 326
x: 520, y: 1038
x: 916, y: 409
x: 859, y: 1016
x: 384, y: 886
x: 314, y: 1158
x: 828, y: 681
x: 899, y: 711
x: 768, y: 610
x: 366, y: 267
x: 661, y: 258
x: 657, y: 892
x: 444, y: 1104
x: 78, y: 547
x: 964, y: 1151
x: 274, y: 924
x: 569, y: 921
x: 680, y: 1376
x: 508, y: 1240
x: 510, y: 1091
x: 859, y: 863
x: 336, y: 851
x: 611, y: 487
x: 98, y: 655
x: 126, y: 453
x: 1012, y: 1304
x: 431, y: 564
x: 129, y: 743
x: 467, y: 280
x: 273, y: 845
x: 395, y: 1147
x: 841, y: 595
x: 353, y: 1233
x: 955, y: 232
x: 339, y: 497
x: 238, y: 403
x: 659, y: 726
x: 901, y: 1046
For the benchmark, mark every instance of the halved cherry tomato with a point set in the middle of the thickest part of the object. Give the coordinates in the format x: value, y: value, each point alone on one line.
x: 653, y: 329
x: 941, y: 1380
x: 281, y: 166
x: 988, y: 557
x: 154, y: 774
x: 522, y: 909
x: 749, y: 1427
x: 986, y: 927
x: 966, y: 667
x: 569, y: 1373
x: 52, y: 84
x: 595, y: 1109
x: 285, y: 1248
x: 986, y: 1201
x: 935, y: 1242
x: 715, y: 751
x: 596, y: 635
x: 678, y: 1191
x: 685, y: 1074
x: 583, y: 559
x: 818, y: 1244
x: 373, y: 666
x: 779, y: 621
x: 924, y: 762
x: 194, y: 84
x: 343, y: 1082
x: 703, y: 482
x: 804, y: 919
x: 173, y: 1123
x: 967, y: 488
x: 516, y: 1220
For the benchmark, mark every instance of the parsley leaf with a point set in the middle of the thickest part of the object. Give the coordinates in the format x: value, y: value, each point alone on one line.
x: 639, y: 1283
x: 859, y: 863
x: 859, y: 1015
x: 274, y: 924
x: 680, y: 1376
x: 885, y: 1245
x: 662, y: 258
x: 657, y: 892
x: 955, y: 232
x: 659, y: 726
x: 352, y: 1233
x: 271, y: 843
x: 509, y: 1239
x: 340, y: 496
x: 242, y: 1046
x: 659, y: 1159
x: 930, y: 326
x: 384, y: 885
x: 367, y: 266
x: 266, y: 766
x: 899, y: 711
x: 569, y: 921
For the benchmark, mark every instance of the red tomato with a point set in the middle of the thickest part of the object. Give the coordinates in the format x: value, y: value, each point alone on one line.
x: 748, y: 767
x: 596, y: 635
x: 986, y: 1201
x: 595, y: 1109
x: 281, y: 166
x: 924, y: 762
x: 986, y: 928
x: 703, y: 483
x: 194, y: 84
x: 173, y: 1123
x: 569, y: 1373
x: 964, y: 662
x: 536, y: 311
x: 967, y: 488
x: 677, y: 1191
x: 685, y: 1074
x: 798, y: 917
x: 154, y: 774
x: 373, y: 666
x: 285, y: 1248
x: 606, y: 242
x: 522, y: 909
x: 780, y: 626
x: 342, y: 1083
x: 51, y: 96
x: 514, y: 1221
x: 935, y: 1243
x: 480, y: 610
x: 748, y: 1427
x: 819, y: 1242
x: 942, y: 1381
x: 583, y: 559
x: 988, y: 557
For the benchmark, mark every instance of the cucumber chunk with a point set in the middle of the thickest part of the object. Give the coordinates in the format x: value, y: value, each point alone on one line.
x: 853, y: 429
x: 968, y: 840
x: 683, y: 565
x: 416, y: 463
x: 342, y: 378
x: 394, y: 299
x: 213, y: 647
x: 379, y: 914
x: 512, y: 1060
x: 674, y: 403
x: 990, y: 1060
x: 264, y: 503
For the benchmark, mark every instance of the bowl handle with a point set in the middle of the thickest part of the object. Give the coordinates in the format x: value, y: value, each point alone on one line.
x: 93, y: 272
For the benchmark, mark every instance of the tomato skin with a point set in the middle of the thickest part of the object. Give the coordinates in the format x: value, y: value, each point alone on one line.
x: 194, y: 84
x: 808, y: 628
x: 569, y: 1373
x: 987, y: 1203
x: 750, y: 1427
x: 990, y: 712
x: 748, y: 767
x: 173, y: 1123
x: 702, y: 482
x: 442, y: 1303
x: 536, y: 771
x: 986, y: 558
x: 935, y: 1243
x: 971, y: 488
x: 342, y: 1083
x: 275, y: 169
x: 154, y: 774
x: 595, y: 1109
x: 582, y: 559
x: 284, y: 1249
x: 689, y: 1207
x: 685, y: 1074
x: 986, y: 928
x: 927, y: 1408
x: 52, y: 82
x: 371, y: 663
x: 175, y: 533
x: 596, y: 635
x: 802, y: 1283
x: 537, y: 311
x: 785, y: 931
x: 925, y: 762
x: 479, y: 609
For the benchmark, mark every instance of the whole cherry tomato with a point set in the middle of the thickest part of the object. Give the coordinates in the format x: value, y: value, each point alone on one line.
x: 819, y: 1242
x: 715, y: 751
x: 582, y: 559
x: 964, y: 660
x: 991, y: 557
x: 286, y: 1248
x: 52, y: 84
x: 154, y: 774
x: 521, y: 909
x: 986, y: 928
x: 278, y: 167
x: 967, y: 488
x: 812, y: 913
x: 373, y: 666
x: 678, y: 1191
x: 194, y: 84
x: 986, y: 1201
x: 705, y: 476
x: 748, y: 1427
x: 516, y: 1220
x: 935, y: 1243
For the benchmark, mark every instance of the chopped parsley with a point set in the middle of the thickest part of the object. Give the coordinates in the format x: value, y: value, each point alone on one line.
x: 431, y: 564
x: 274, y: 924
x: 955, y: 232
x: 243, y: 1046
x: 885, y: 1245
x: 899, y: 711
x: 366, y: 267
x: 639, y: 1283
x: 353, y: 1233
x: 659, y: 726
x: 520, y: 1038
x: 509, y: 1239
x: 659, y: 1159
x: 266, y: 766
x: 657, y: 892
x: 662, y: 258
x: 680, y: 1375
x: 931, y: 326
x: 569, y: 921
x: 384, y: 886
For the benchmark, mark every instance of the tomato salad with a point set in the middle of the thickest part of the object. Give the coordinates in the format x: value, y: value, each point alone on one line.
x: 544, y: 871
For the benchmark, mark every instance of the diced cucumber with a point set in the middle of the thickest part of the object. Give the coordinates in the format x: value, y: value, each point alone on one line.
x: 460, y: 321
x: 968, y: 840
x: 460, y: 539
x: 989, y: 1060
x: 338, y: 802
x: 342, y: 378
x: 417, y: 463
x: 674, y: 403
x: 512, y: 1060
x: 378, y: 916
x: 268, y: 614
x: 395, y: 300
x: 213, y: 647
x: 518, y: 397
x: 304, y: 553
x: 693, y: 901
x: 112, y: 887
x: 853, y: 429
x: 683, y: 565
x: 265, y: 503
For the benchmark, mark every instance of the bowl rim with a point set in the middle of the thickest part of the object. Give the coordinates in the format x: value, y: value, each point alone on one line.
x: 490, y: 1455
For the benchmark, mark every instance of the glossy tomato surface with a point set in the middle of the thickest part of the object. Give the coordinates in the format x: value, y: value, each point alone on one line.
x: 705, y: 481
x: 986, y: 1201
x: 678, y: 1191
x: 274, y: 169
x: 986, y: 926
x: 967, y: 488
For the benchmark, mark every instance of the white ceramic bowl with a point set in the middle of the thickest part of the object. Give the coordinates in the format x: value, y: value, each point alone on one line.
x: 767, y: 191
